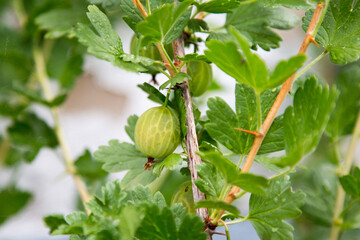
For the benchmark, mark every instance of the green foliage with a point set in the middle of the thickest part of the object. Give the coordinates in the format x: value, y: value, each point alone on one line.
x: 124, y: 156
x: 218, y: 204
x: 351, y: 183
x: 268, y: 212
x: 172, y: 161
x: 294, y: 4
x: 130, y: 128
x: 12, y: 200
x: 222, y: 126
x: 339, y: 32
x: 28, y: 134
x: 120, y: 214
x: 305, y: 122
x: 246, y: 181
x: 342, y: 121
x: 247, y: 67
x: 255, y: 21
x: 218, y: 6
x: 165, y: 24
x: 211, y: 180
x: 88, y: 168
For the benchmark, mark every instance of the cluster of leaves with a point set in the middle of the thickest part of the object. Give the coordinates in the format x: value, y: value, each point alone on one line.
x: 128, y: 214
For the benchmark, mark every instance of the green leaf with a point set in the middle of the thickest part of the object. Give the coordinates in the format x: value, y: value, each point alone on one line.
x: 293, y: 4
x: 223, y: 121
x: 274, y: 139
x: 218, y: 6
x: 132, y: 15
x: 54, y: 221
x: 88, y: 168
x: 106, y: 43
x: 49, y: 21
x: 178, y: 103
x: 339, y: 32
x: 28, y: 134
x: 165, y: 24
x: 154, y: 94
x: 130, y: 128
x: 305, y: 122
x: 198, y: 25
x: 247, y: 67
x: 11, y: 202
x: 194, y: 57
x: 255, y: 22
x: 343, y: 118
x: 218, y: 204
x: 172, y: 161
x: 246, y: 181
x: 351, y: 183
x: 176, y: 79
x: 268, y: 212
x: 124, y: 156
x: 211, y: 180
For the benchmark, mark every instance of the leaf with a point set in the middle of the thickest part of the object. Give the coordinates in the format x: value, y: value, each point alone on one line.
x: 170, y: 162
x: 49, y: 21
x: 293, y: 4
x: 11, y: 202
x: 247, y: 67
x: 132, y: 15
x: 268, y: 212
x: 343, y: 118
x: 211, y: 180
x: 255, y: 22
x: 176, y: 79
x: 218, y: 204
x: 130, y: 128
x: 178, y: 103
x: 218, y: 6
x: 339, y: 32
x: 106, y: 44
x: 198, y: 25
x: 351, y: 183
x: 165, y: 24
x: 223, y: 121
x: 274, y: 139
x: 246, y: 181
x: 194, y: 57
x: 125, y: 156
x: 154, y: 94
x: 54, y: 221
x: 88, y: 168
x: 305, y: 122
x: 28, y: 134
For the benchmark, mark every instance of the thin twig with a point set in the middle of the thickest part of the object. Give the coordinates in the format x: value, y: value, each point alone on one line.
x: 45, y: 85
x: 340, y: 195
x: 286, y: 87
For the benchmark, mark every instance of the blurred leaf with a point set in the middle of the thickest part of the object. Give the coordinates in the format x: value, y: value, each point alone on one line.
x: 293, y: 4
x: 166, y: 23
x: 132, y: 15
x: 218, y: 6
x: 88, y: 168
x: 183, y: 194
x: 11, y: 202
x: 351, y: 183
x: 218, y: 204
x: 267, y: 212
x: 343, y: 118
x: 255, y: 22
x: 28, y: 134
x: 130, y: 128
x: 339, y: 32
x: 49, y: 21
x: 305, y: 122
x: 54, y: 221
x: 198, y: 25
x: 194, y: 57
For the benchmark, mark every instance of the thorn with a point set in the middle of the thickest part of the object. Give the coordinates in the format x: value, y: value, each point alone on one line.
x: 212, y: 232
x: 255, y: 133
x: 312, y: 39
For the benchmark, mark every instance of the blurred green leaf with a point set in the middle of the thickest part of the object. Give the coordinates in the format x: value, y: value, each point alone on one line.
x: 11, y: 202
x: 351, y: 183
x: 218, y: 6
x: 88, y: 168
x: 170, y: 162
x: 218, y: 204
x: 130, y: 128
x: 293, y: 4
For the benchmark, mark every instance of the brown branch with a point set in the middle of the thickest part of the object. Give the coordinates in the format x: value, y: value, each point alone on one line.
x: 286, y: 87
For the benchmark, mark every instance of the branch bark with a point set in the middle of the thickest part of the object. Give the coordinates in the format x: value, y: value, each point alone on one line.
x: 286, y: 87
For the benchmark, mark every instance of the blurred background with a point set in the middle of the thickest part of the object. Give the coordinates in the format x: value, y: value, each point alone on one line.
x: 95, y: 112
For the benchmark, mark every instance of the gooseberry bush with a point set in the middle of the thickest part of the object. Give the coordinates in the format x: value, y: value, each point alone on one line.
x: 311, y: 186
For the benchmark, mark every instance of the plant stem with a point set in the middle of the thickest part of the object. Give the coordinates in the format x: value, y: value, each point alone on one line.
x: 148, y: 6
x: 258, y: 111
x: 20, y: 12
x: 312, y: 63
x: 226, y: 230
x: 46, y: 88
x: 340, y: 195
x: 286, y: 87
